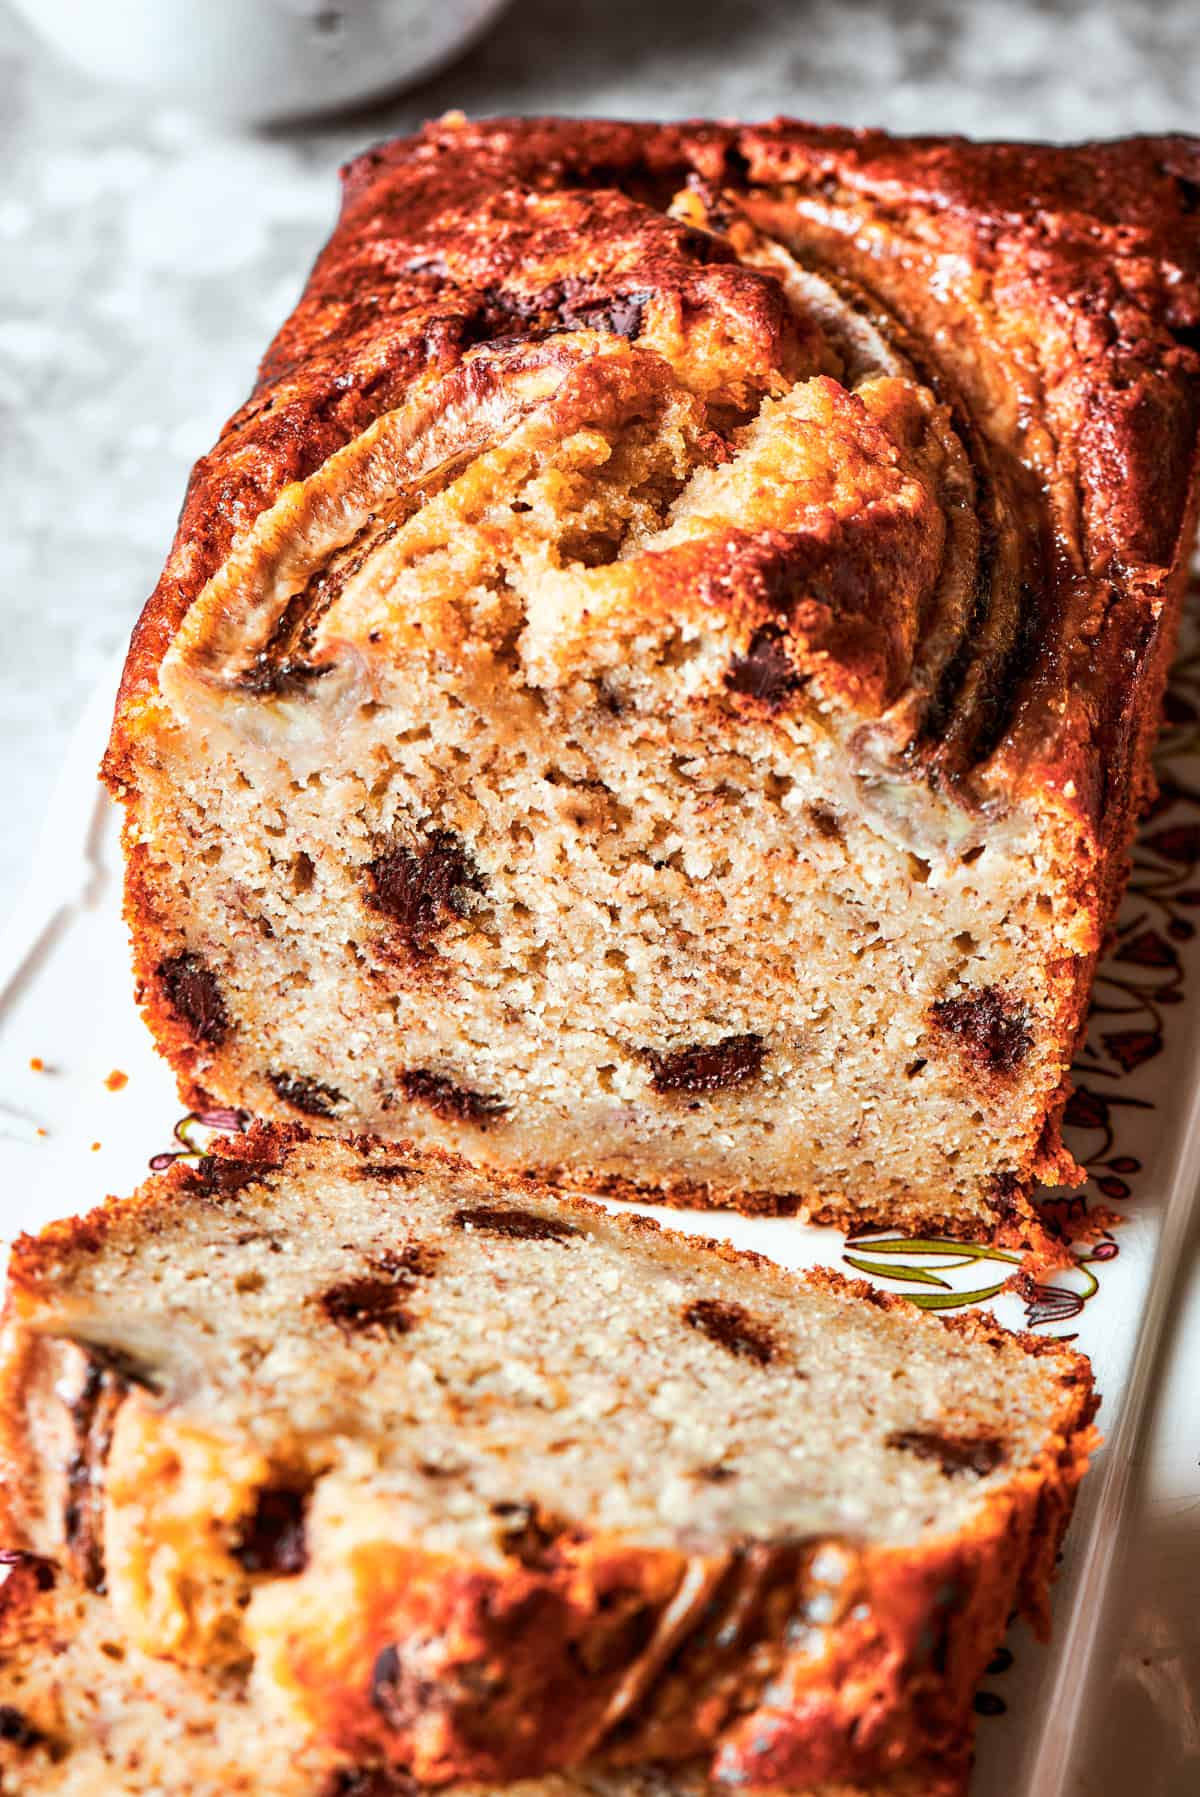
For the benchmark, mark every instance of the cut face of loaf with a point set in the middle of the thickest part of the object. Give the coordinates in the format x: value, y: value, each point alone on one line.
x: 655, y: 686
x: 483, y: 1484
x: 84, y: 1714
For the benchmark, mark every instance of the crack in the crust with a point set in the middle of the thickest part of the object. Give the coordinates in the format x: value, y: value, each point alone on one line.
x: 966, y: 713
x: 982, y: 692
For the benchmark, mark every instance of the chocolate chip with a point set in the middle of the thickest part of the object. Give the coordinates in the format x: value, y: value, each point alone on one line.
x: 266, y: 678
x: 765, y: 672
x: 989, y: 1028
x: 15, y: 1729
x: 955, y: 1454
x: 622, y: 314
x: 1006, y: 1194
x: 307, y: 1095
x: 191, y: 990
x: 733, y: 1328
x: 707, y: 1067
x: 452, y: 1103
x: 386, y: 1172
x: 519, y: 1225
x: 358, y: 1305
x: 272, y: 1539
x: 217, y: 1176
x: 415, y: 890
x: 562, y: 306
x: 825, y: 822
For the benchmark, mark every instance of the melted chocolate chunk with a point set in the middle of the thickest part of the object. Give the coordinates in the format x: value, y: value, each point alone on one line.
x: 307, y: 1095
x: 955, y: 1454
x: 765, y: 672
x: 416, y: 890
x: 386, y: 1172
x: 518, y: 1225
x: 622, y: 314
x: 375, y: 1300
x: 707, y: 1067
x: 1006, y: 1187
x: 991, y: 1031
x: 268, y: 679
x: 191, y: 990
x: 733, y: 1328
x: 563, y: 306
x: 454, y: 1104
x: 272, y: 1539
x: 826, y: 822
x: 216, y: 1176
x: 15, y: 1729
x: 358, y: 1305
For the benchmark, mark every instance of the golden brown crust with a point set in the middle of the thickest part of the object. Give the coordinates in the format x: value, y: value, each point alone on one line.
x: 987, y: 579
x: 86, y: 1715
x: 1081, y: 287
x: 589, y: 1647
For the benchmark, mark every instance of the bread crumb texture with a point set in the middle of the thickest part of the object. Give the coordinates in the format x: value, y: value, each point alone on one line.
x: 458, y: 1476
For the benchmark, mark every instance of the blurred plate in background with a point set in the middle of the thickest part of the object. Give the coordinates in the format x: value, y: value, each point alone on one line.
x: 260, y: 61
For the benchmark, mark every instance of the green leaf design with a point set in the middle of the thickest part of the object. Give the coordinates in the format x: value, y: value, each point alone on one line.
x: 948, y: 1257
x: 913, y: 1275
x: 951, y: 1300
x: 943, y: 1250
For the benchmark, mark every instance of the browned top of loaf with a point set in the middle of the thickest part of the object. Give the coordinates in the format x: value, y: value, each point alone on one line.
x: 1062, y: 329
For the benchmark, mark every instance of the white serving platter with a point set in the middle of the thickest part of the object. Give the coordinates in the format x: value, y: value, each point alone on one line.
x: 1113, y: 1704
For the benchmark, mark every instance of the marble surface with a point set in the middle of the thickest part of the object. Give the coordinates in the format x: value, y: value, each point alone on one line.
x: 146, y: 257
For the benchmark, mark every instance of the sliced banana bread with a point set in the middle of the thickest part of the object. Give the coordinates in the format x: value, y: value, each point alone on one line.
x: 655, y: 685
x: 484, y: 1484
x: 83, y: 1714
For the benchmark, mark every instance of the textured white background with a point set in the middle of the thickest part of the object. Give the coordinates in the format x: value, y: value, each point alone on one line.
x: 145, y: 257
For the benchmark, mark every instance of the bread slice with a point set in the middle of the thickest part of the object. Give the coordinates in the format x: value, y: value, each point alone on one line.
x: 486, y: 1484
x: 655, y: 686
x: 83, y: 1714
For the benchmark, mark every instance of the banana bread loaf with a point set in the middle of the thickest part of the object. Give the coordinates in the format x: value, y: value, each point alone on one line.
x: 483, y: 1483
x: 655, y: 685
x: 83, y: 1714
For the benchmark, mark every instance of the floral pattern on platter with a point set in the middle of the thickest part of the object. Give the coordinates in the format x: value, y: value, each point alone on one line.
x: 1136, y: 986
x: 221, y: 1120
